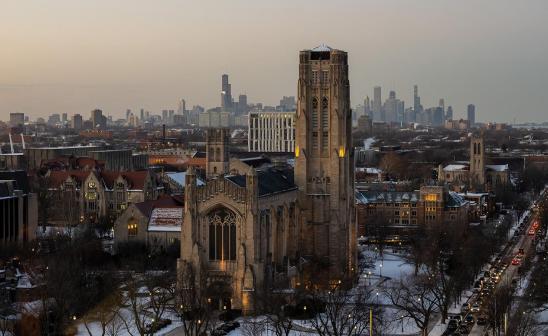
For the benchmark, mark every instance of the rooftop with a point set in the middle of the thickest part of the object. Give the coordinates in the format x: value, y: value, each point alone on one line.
x: 271, y: 181
x: 322, y: 47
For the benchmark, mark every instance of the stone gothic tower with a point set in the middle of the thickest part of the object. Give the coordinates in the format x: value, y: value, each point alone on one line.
x: 217, y: 142
x: 477, y: 160
x: 324, y: 162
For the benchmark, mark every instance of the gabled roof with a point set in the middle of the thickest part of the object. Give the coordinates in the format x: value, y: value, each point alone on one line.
x: 271, y: 181
x: 134, y: 179
x: 56, y: 178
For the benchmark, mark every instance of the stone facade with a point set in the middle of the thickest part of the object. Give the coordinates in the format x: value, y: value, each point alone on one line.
x: 324, y: 160
x: 239, y: 234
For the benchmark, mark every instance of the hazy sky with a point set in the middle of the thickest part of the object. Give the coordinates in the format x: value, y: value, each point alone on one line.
x: 75, y: 55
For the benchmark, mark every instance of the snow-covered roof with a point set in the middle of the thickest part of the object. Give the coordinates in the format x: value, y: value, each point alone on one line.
x: 368, y: 170
x: 454, y: 167
x: 389, y: 197
x: 322, y: 47
x: 499, y: 168
x: 166, y: 219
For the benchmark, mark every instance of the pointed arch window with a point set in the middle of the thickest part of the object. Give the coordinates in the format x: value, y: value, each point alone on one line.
x: 222, y: 234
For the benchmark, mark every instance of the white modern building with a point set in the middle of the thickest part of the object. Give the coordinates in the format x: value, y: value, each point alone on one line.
x: 271, y: 132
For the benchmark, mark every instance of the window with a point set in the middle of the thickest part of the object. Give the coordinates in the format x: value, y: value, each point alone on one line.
x: 325, y: 77
x: 413, y: 213
x: 314, y: 76
x: 132, y: 228
x: 314, y: 113
x: 396, y: 213
x: 222, y: 235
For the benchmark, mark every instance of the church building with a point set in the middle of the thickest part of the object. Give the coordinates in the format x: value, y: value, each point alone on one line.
x: 257, y: 230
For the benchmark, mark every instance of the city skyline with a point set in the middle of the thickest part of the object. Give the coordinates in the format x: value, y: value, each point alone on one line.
x: 135, y: 54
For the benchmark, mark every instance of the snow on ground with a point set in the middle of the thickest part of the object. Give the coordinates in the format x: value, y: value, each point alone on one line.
x: 367, y: 143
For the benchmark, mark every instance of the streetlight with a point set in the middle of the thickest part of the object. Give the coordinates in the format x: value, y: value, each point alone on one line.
x: 380, y: 270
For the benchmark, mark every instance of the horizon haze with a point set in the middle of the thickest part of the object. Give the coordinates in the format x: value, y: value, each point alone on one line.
x: 62, y: 56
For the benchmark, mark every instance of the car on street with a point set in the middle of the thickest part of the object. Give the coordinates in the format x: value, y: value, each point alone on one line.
x: 475, y: 308
x: 452, y: 325
x: 516, y: 262
x: 469, y: 319
x: 531, y: 232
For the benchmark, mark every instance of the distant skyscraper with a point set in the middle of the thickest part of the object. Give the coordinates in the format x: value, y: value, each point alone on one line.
x: 417, y: 107
x: 54, y: 119
x: 76, y: 122
x: 226, y: 93
x: 182, y: 107
x: 449, y: 113
x: 390, y: 108
x: 17, y: 119
x: 142, y: 115
x: 64, y: 117
x: 164, y: 116
x: 128, y: 113
x: 288, y: 104
x: 367, y: 107
x: 97, y: 119
x: 471, y: 113
x: 242, y: 104
x: 377, y: 104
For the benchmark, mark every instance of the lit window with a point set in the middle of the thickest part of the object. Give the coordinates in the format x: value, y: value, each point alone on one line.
x: 132, y: 230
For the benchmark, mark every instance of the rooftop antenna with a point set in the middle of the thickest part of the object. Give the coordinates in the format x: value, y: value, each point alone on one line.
x: 11, y: 144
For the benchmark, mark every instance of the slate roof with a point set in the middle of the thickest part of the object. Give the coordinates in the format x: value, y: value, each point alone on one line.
x: 454, y: 200
x: 56, y: 178
x: 135, y: 179
x: 271, y: 181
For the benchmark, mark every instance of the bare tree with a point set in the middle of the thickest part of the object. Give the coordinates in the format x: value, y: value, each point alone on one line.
x: 106, y: 315
x: 393, y: 165
x: 6, y: 324
x: 70, y: 212
x: 193, y: 302
x: 254, y: 327
x: 45, y: 200
x: 415, y: 300
x: 340, y: 311
x: 524, y: 323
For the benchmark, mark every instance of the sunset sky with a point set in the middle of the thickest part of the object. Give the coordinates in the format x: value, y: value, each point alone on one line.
x: 72, y: 56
